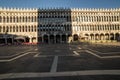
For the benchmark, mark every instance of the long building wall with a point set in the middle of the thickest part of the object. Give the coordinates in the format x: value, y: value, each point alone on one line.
x: 59, y: 25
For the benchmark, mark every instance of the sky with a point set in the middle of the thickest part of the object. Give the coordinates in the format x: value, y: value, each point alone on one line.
x: 60, y: 3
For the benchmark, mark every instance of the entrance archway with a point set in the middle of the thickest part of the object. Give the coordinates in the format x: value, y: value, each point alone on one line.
x: 111, y: 36
x: 9, y: 40
x: 75, y: 37
x: 117, y: 36
x: 57, y: 38
x: 27, y: 39
x: 45, y: 38
x: 107, y: 36
x: 96, y: 36
x: 64, y: 38
x: 19, y: 39
x: 2, y: 40
x: 52, y: 39
x: 40, y: 39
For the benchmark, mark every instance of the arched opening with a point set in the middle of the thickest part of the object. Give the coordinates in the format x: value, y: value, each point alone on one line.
x: 101, y: 36
x: 70, y: 38
x: 45, y: 38
x: 75, y: 37
x: 64, y: 38
x: 57, y: 38
x: 96, y: 36
x: 52, y: 39
x: 39, y: 39
x: 111, y: 36
x: 86, y: 36
x: 19, y: 39
x: 117, y: 36
x: 27, y: 39
x: 92, y: 36
x: 9, y: 40
x: 33, y: 39
x: 2, y: 40
x: 107, y: 36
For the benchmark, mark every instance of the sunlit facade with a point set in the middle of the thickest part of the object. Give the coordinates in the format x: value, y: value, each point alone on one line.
x: 59, y: 25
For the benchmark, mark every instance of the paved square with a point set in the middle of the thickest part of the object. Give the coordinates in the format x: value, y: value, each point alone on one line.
x: 60, y: 62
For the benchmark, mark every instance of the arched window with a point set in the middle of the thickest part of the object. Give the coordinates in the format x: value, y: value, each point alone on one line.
x: 29, y: 29
x: 23, y: 28
x: 0, y: 28
x: 17, y: 19
x: 26, y: 19
x: 7, y: 19
x: 13, y: 28
x: 10, y: 28
x: 0, y: 19
x: 32, y: 19
x: 10, y: 18
x: 20, y: 28
x: 32, y: 28
x: 16, y: 28
x: 14, y: 19
x: 3, y: 18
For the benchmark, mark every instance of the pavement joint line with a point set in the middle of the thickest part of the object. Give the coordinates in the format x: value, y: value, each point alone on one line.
x: 101, y: 52
x: 52, y: 55
x: 54, y: 64
x: 110, y: 52
x: 93, y: 53
x: 36, y: 49
x: 75, y: 52
x: 94, y: 50
x: 58, y: 74
x: 36, y: 55
x: 15, y: 54
x: 79, y: 48
x: 8, y: 60
x: 117, y: 56
x: 111, y: 56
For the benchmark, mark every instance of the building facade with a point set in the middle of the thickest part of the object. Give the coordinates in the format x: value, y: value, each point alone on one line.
x: 59, y: 25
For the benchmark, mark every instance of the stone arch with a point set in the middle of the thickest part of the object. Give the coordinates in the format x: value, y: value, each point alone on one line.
x: 64, y: 37
x: 97, y: 36
x: 57, y: 38
x: 75, y: 37
x: 19, y: 39
x: 45, y: 38
x: 34, y: 39
x: 92, y: 36
x: 86, y: 36
x: 107, y: 36
x: 117, y: 36
x: 112, y: 36
x: 52, y: 38
x: 27, y: 39
x: 101, y: 36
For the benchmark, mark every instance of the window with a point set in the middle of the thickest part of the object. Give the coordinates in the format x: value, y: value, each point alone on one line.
x: 0, y: 19
x: 0, y: 28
